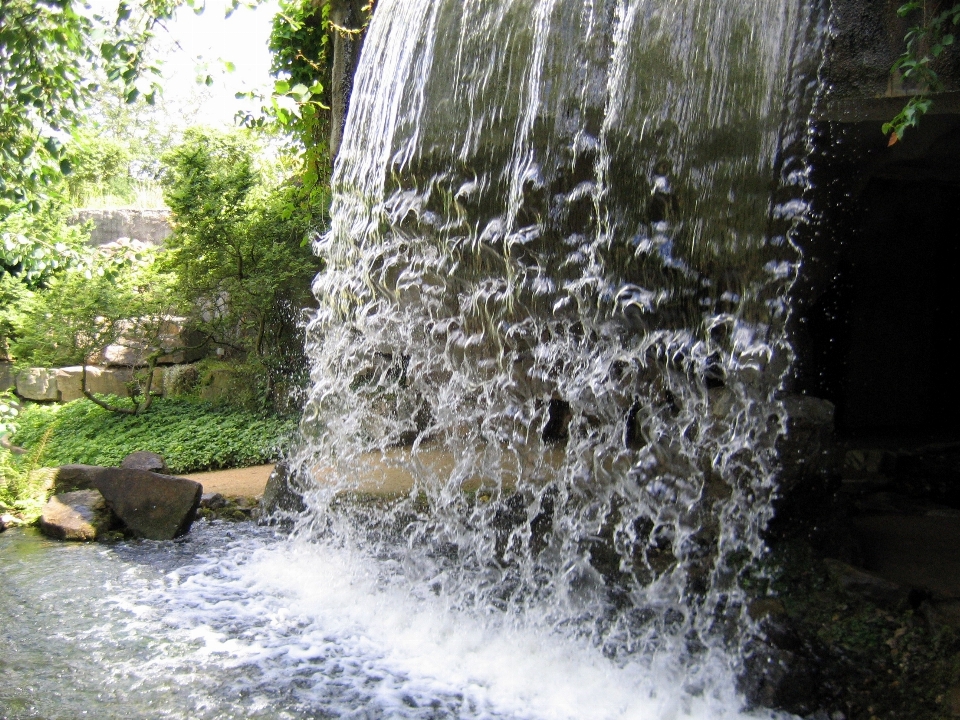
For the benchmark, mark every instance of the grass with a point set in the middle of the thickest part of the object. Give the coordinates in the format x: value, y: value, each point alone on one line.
x: 191, y: 436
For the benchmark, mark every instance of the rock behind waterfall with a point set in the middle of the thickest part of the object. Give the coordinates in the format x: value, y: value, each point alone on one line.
x: 282, y: 500
x: 82, y: 515
x: 150, y: 505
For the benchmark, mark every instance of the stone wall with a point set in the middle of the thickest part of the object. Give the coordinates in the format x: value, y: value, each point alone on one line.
x: 866, y: 37
x: 148, y: 226
x: 64, y: 384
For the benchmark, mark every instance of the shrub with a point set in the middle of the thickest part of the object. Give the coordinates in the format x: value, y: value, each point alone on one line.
x: 23, y: 486
x: 240, y: 249
x: 191, y: 436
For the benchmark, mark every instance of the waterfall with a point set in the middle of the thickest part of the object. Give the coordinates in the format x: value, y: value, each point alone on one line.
x: 551, y: 331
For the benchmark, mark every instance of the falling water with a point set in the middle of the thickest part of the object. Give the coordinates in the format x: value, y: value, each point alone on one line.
x: 539, y: 449
x: 554, y: 307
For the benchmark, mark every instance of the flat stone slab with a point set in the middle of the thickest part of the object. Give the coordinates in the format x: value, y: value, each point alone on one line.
x: 921, y: 551
x: 151, y: 505
x: 80, y: 515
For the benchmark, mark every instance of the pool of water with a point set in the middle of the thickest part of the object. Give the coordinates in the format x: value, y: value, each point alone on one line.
x: 234, y: 621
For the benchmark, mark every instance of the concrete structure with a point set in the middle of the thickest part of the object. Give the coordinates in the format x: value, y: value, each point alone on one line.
x: 874, y: 312
x: 148, y: 226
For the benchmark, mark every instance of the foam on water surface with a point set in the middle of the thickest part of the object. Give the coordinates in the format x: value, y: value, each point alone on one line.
x: 246, y: 625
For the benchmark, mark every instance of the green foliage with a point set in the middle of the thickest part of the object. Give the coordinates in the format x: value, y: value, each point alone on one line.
x: 34, y: 246
x: 116, y: 296
x: 22, y: 490
x: 300, y: 43
x: 100, y: 167
x: 191, y: 436
x: 926, y: 42
x: 239, y: 248
x: 206, y: 181
x: 23, y: 486
x: 116, y: 292
x: 50, y: 53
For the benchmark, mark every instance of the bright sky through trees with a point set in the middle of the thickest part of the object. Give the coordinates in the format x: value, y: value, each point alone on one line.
x: 206, y: 43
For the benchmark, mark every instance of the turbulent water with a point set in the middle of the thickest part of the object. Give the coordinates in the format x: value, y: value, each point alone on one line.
x: 539, y: 445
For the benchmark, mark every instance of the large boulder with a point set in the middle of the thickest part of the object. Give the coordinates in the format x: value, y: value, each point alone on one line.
x: 100, y: 380
x: 180, y: 380
x: 181, y: 345
x: 109, y: 381
x: 150, y: 505
x: 82, y: 515
x: 38, y: 384
x: 70, y: 383
x: 220, y: 383
x: 178, y: 344
x: 151, y: 227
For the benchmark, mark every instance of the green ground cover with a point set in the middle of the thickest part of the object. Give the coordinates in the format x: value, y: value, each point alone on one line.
x: 191, y: 436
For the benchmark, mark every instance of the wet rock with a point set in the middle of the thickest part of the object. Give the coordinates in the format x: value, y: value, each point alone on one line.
x: 151, y: 505
x: 870, y: 587
x: 282, y: 498
x: 7, y: 521
x: 763, y: 608
x: 212, y: 501
x: 781, y: 670
x: 75, y: 477
x: 214, y: 506
x: 143, y: 460
x: 82, y: 515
